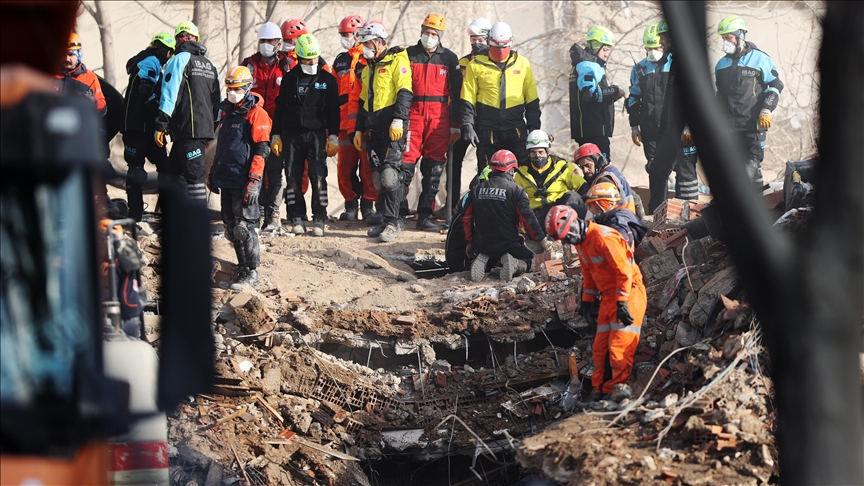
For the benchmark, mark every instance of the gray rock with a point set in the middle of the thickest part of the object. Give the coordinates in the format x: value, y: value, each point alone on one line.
x: 620, y: 392
x: 417, y: 289
x: 441, y: 365
x: 525, y: 285
x: 687, y: 334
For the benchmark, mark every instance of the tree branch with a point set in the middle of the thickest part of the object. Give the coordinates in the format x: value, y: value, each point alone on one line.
x: 155, y: 16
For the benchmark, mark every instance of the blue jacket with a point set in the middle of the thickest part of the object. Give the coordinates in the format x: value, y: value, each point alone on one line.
x: 141, y: 102
x: 189, y: 105
x: 648, y: 102
x: 747, y: 82
x: 592, y: 110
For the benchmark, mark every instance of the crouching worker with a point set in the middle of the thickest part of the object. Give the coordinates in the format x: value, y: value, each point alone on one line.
x: 244, y: 143
x: 609, y: 274
x: 604, y: 202
x: 495, y: 210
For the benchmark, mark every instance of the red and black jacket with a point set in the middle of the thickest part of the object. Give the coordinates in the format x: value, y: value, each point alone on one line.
x: 267, y: 78
x: 435, y: 78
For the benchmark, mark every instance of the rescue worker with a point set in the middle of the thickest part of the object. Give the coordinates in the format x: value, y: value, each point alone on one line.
x: 748, y: 87
x: 604, y: 202
x: 592, y: 98
x: 433, y: 124
x: 547, y: 179
x: 494, y: 212
x: 478, y: 32
x: 596, y: 169
x: 383, y: 113
x: 359, y: 192
x: 238, y: 167
x: 75, y: 78
x: 307, y: 119
x: 653, y: 110
x: 609, y: 274
x: 139, y: 117
x: 189, y: 108
x: 485, y: 123
x: 268, y: 66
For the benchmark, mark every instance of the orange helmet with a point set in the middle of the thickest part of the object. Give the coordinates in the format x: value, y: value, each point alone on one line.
x: 74, y: 42
x: 238, y: 77
x: 603, y: 197
x: 435, y: 21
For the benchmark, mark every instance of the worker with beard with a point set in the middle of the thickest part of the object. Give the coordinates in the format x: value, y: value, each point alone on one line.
x: 75, y: 78
x: 596, y: 169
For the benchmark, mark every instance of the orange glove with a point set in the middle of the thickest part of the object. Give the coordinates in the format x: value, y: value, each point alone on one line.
x: 160, y: 139
x: 765, y: 119
x: 330, y: 147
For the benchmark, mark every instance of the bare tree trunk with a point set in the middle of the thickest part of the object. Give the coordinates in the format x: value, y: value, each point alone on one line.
x: 199, y: 16
x: 247, y: 29
x: 271, y: 9
x: 227, y: 37
x: 100, y: 15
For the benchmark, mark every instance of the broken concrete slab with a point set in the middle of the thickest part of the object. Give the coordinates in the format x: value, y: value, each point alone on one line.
x: 722, y: 283
x: 659, y: 268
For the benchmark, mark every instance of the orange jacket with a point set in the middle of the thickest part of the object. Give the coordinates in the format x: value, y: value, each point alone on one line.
x: 348, y: 66
x: 607, y: 264
x: 83, y: 81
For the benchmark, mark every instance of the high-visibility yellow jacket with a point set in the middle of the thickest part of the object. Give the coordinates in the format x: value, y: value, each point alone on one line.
x: 558, y: 179
x: 386, y: 92
x: 500, y: 96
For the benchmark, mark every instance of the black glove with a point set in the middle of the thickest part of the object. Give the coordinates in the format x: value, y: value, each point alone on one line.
x: 623, y: 314
x: 469, y: 135
x: 145, y: 89
x: 469, y: 251
x: 589, y: 311
x: 253, y: 188
x: 210, y: 185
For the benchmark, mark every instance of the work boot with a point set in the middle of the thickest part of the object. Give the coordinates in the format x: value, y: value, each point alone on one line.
x: 426, y: 224
x: 374, y: 219
x: 247, y: 276
x: 318, y: 227
x: 299, y: 227
x: 511, y: 267
x: 375, y: 231
x: 272, y: 223
x: 366, y: 209
x: 478, y: 267
x: 350, y: 213
x: 390, y: 233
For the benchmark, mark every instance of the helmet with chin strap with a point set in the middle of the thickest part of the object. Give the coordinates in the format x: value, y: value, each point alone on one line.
x: 592, y: 152
x: 563, y: 223
x: 503, y: 161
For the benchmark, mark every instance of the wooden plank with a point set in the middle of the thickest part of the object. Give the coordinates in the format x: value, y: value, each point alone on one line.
x: 312, y: 445
x: 270, y: 409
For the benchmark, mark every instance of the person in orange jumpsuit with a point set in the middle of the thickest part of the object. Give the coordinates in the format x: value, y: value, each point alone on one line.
x: 610, y: 274
x: 74, y: 77
x: 359, y: 192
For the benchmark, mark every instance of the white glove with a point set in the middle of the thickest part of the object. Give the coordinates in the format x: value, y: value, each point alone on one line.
x: 334, y: 139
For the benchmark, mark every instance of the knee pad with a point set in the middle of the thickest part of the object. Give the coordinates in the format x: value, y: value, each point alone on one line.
x: 390, y: 179
x: 754, y: 171
x: 241, y: 232
x: 436, y: 170
x: 136, y: 177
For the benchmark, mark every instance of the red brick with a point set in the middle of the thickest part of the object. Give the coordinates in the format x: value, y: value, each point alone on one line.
x: 441, y: 379
x: 540, y: 258
x: 551, y: 268
x: 671, y: 213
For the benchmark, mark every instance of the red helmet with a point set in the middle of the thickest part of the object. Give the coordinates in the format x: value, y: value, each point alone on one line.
x: 503, y: 160
x: 562, y: 223
x: 293, y: 28
x: 350, y: 23
x: 586, y: 150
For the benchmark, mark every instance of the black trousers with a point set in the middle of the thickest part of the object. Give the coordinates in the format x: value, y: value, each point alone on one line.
x: 491, y: 141
x: 664, y: 155
x: 431, y: 171
x: 138, y: 146
x: 602, y: 143
x: 302, y: 148
x: 389, y: 175
x: 460, y: 148
x: 240, y: 221
x: 186, y: 168
x: 271, y: 188
x: 519, y: 252
x: 754, y: 147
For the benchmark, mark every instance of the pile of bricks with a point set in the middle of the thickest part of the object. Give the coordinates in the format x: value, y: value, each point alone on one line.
x: 667, y: 233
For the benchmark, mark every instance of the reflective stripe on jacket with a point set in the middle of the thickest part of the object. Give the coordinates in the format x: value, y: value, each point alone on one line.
x: 386, y: 92
x: 241, y: 129
x: 348, y: 67
x: 560, y: 178
x: 607, y: 264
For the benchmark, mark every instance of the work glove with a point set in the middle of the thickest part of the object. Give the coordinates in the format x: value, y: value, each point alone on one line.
x: 686, y: 137
x: 547, y: 244
x: 623, y: 313
x: 588, y: 311
x: 276, y: 145
x: 621, y: 93
x: 765, y: 118
x: 210, y: 185
x: 330, y: 147
x: 396, y: 130
x: 455, y: 135
x: 160, y: 138
x: 253, y: 188
x: 469, y: 135
x: 636, y: 135
x: 358, y: 141
x: 469, y: 251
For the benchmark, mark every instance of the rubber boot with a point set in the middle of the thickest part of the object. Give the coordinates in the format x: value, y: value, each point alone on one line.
x: 511, y: 267
x: 478, y: 267
x: 350, y: 213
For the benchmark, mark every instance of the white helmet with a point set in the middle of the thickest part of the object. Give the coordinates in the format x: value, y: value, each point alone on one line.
x: 500, y: 35
x: 269, y: 31
x: 479, y: 26
x: 372, y: 31
x: 538, y: 139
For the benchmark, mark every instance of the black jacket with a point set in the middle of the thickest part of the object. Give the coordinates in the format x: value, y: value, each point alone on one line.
x: 141, y: 100
x: 190, y: 96
x: 592, y: 109
x: 651, y: 96
x: 626, y: 223
x: 747, y: 83
x: 317, y: 110
x: 495, y: 210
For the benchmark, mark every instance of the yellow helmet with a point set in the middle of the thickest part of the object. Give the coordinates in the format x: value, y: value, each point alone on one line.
x: 188, y: 27
x: 435, y: 21
x: 238, y: 77
x: 165, y: 39
x: 603, y: 196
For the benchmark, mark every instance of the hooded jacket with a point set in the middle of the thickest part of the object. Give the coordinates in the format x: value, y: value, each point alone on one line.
x: 83, y: 81
x: 558, y: 179
x: 189, y: 103
x: 141, y: 100
x: 592, y: 110
x: 244, y: 137
x: 307, y: 102
x: 495, y: 211
x: 747, y: 82
x: 626, y: 223
x: 500, y: 96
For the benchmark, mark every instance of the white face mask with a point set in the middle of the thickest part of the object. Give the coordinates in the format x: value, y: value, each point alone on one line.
x: 266, y: 50
x: 348, y: 42
x: 729, y: 47
x: 234, y: 97
x: 654, y: 55
x: 428, y: 42
x: 368, y: 53
x: 286, y: 47
x: 309, y: 69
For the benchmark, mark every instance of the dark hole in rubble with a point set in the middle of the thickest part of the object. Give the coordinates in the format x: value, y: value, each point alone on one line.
x: 453, y: 469
x: 427, y: 266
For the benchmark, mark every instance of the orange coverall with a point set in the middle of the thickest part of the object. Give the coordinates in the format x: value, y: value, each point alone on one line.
x: 609, y: 272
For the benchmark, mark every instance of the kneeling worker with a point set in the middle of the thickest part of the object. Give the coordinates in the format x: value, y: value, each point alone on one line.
x: 548, y: 180
x: 610, y: 274
x: 244, y: 144
x: 501, y: 206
